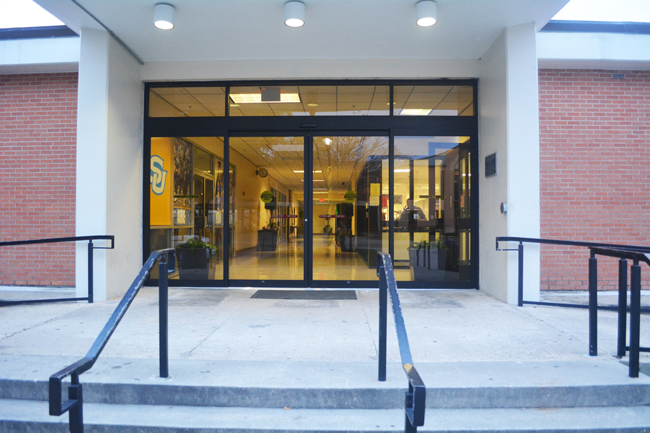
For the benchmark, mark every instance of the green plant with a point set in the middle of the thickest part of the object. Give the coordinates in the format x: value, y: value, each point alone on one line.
x: 350, y: 196
x: 267, y: 196
x: 194, y: 243
x: 415, y: 246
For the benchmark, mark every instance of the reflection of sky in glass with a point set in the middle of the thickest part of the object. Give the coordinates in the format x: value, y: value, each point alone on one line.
x: 606, y: 10
x: 24, y: 13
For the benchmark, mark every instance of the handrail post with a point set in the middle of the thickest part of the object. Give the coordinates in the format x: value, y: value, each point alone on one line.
x: 635, y: 318
x: 162, y: 312
x: 90, y: 272
x: 76, y: 412
x: 593, y: 306
x: 520, y: 282
x: 622, y: 307
x: 383, y: 317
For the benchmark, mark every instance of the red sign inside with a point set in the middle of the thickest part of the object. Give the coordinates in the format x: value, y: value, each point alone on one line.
x: 284, y: 216
x: 331, y: 216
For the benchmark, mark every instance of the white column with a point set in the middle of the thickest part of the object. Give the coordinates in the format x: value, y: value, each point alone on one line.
x: 508, y: 126
x: 109, y: 163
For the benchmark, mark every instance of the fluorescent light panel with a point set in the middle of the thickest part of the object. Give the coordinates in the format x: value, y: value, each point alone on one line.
x: 256, y: 98
x: 415, y: 112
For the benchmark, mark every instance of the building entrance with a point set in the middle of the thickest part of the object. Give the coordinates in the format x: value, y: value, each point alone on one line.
x: 247, y: 202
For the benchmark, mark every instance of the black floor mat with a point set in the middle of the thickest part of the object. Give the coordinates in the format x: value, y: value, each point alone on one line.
x: 313, y: 295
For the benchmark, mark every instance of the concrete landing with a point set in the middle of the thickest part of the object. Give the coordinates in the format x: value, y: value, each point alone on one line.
x: 225, y: 324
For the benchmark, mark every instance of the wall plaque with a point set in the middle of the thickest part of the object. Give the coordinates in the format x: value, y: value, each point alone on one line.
x: 491, y: 165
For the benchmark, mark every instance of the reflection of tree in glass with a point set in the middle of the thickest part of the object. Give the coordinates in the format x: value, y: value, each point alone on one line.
x: 347, y: 156
x: 182, y: 167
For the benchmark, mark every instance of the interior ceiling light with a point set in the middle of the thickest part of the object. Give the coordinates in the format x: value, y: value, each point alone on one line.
x: 426, y: 12
x: 163, y: 16
x: 294, y: 14
x: 256, y: 98
x: 415, y: 112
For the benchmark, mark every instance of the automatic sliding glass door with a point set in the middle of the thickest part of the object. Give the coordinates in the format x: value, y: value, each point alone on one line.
x: 349, y: 207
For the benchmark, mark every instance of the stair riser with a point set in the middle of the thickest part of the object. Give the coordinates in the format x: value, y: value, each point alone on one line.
x: 28, y: 427
x: 443, y: 398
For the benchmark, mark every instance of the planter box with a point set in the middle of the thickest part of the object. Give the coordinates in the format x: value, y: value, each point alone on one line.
x: 193, y: 266
x: 427, y: 265
x: 267, y: 240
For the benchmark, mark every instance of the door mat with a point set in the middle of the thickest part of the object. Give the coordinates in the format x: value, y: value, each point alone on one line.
x: 311, y: 295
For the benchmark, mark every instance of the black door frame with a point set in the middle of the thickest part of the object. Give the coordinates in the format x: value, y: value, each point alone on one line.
x: 309, y: 127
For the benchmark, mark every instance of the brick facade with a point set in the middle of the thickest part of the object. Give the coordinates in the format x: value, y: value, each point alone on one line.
x: 594, y: 169
x: 38, y: 117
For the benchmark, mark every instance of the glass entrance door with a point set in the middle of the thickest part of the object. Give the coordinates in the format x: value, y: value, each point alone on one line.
x: 267, y: 208
x: 349, y: 213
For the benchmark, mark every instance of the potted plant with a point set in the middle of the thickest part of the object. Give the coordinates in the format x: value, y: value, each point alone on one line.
x: 350, y: 196
x: 194, y: 258
x: 268, y: 199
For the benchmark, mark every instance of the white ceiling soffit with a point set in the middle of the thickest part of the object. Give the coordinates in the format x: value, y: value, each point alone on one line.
x: 208, y: 30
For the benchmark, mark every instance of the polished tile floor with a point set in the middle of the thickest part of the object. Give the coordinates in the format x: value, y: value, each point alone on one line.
x: 287, y: 263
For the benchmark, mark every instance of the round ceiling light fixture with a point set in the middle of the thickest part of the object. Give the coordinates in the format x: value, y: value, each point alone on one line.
x: 427, y: 13
x: 163, y: 16
x: 294, y: 14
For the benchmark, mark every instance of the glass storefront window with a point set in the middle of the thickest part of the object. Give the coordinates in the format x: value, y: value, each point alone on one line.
x: 186, y: 204
x: 432, y: 209
x: 309, y: 101
x: 433, y: 101
x: 325, y: 100
x: 329, y: 230
x: 187, y: 102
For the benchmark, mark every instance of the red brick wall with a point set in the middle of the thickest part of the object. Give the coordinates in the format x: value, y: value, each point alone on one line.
x: 38, y: 133
x: 594, y: 169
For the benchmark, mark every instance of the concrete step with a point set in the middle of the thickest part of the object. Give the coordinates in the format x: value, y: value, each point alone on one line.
x: 20, y: 416
x: 595, y: 382
x: 125, y: 395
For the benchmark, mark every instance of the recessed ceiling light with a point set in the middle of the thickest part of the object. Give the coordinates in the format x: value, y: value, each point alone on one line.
x: 294, y: 14
x: 256, y: 98
x: 426, y: 12
x: 163, y: 16
x: 312, y: 105
x: 402, y: 170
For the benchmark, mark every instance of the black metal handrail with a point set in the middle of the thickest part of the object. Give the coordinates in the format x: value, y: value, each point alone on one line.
x: 91, y: 247
x: 635, y: 303
x: 416, y: 395
x: 622, y: 252
x: 520, y: 249
x: 74, y: 403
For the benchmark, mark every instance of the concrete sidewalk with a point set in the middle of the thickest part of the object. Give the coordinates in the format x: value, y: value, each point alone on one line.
x: 227, y: 324
x: 244, y: 364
